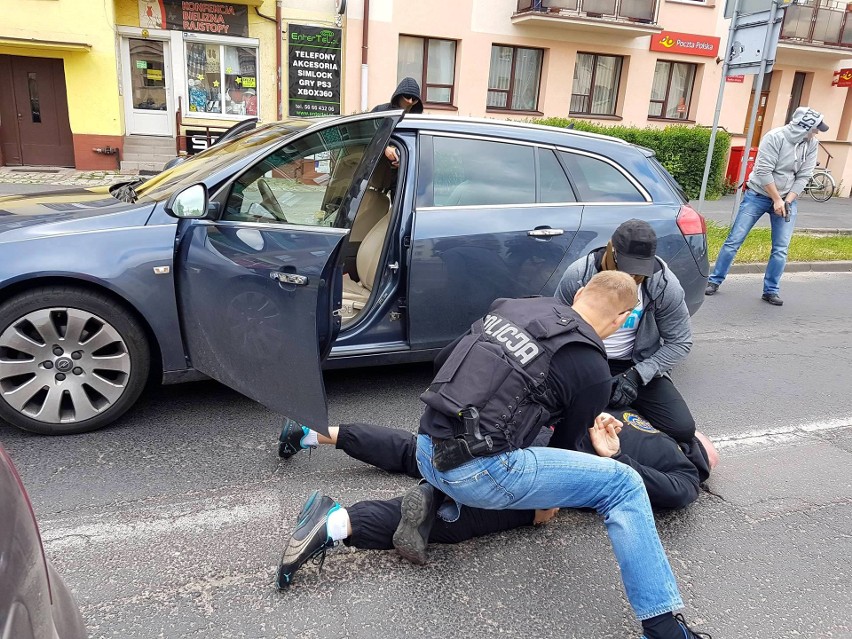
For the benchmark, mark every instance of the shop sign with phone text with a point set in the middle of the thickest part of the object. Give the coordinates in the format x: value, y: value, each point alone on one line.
x: 685, y: 43
x: 219, y: 18
x: 315, y: 59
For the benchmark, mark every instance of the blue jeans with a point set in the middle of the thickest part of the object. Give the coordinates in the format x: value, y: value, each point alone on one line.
x: 550, y: 478
x: 752, y: 208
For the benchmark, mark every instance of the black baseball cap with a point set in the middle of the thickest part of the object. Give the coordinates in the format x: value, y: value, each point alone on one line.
x: 635, y: 245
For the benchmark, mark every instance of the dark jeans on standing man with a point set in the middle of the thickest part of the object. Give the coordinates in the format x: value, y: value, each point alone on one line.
x: 660, y: 403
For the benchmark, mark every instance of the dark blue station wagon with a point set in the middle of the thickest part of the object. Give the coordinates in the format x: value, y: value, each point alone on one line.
x: 298, y: 245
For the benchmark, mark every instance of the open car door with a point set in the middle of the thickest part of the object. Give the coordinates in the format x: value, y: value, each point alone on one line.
x: 257, y: 287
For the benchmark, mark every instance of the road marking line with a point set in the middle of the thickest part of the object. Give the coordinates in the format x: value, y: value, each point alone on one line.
x: 778, y: 435
x: 161, y: 522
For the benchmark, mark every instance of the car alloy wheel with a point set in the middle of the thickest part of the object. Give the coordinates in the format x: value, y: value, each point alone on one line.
x: 62, y: 365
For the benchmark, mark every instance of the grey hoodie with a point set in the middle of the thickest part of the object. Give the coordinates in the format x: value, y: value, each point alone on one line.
x: 785, y: 156
x: 664, y: 335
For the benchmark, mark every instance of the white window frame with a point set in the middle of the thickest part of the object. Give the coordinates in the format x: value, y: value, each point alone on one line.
x: 180, y: 70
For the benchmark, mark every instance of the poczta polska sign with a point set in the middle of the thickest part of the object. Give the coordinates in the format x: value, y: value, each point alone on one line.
x: 314, y: 76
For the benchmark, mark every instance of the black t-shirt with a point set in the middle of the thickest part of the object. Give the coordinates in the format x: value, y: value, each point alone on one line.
x: 579, y: 376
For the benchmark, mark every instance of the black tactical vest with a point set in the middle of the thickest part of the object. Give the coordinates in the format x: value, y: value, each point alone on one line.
x: 501, y: 366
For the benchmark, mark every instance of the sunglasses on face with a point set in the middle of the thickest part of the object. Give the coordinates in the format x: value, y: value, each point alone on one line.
x: 408, y: 97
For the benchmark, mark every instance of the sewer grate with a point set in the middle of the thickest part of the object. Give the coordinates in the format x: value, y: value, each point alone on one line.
x: 35, y: 170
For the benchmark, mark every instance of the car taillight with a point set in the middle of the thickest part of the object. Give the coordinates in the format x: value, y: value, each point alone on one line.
x: 690, y: 221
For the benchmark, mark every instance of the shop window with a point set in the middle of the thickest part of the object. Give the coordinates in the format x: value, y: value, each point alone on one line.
x: 432, y: 62
x: 671, y: 91
x: 514, y: 78
x: 596, y: 80
x: 221, y: 79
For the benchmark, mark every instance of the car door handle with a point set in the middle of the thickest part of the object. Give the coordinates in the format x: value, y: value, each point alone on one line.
x: 546, y: 232
x: 289, y: 278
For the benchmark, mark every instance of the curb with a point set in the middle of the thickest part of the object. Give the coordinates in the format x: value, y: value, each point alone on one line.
x: 794, y: 267
x: 824, y: 231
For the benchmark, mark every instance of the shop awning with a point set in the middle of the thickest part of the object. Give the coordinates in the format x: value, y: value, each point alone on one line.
x: 49, y: 45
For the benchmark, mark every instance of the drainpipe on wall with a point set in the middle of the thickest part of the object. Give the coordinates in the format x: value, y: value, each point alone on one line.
x: 279, y: 29
x: 364, y: 40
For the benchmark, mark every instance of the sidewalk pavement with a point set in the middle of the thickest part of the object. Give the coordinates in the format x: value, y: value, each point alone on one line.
x: 834, y: 215
x: 24, y: 180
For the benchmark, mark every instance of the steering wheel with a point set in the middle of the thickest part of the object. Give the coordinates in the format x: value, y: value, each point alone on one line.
x: 268, y: 200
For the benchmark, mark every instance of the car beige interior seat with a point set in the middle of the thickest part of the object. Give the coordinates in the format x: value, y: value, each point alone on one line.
x: 374, y: 206
x: 356, y: 294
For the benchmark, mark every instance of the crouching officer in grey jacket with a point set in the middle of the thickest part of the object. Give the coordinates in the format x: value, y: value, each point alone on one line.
x: 656, y: 335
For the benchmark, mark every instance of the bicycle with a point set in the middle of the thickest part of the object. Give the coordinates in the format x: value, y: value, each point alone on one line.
x: 821, y: 186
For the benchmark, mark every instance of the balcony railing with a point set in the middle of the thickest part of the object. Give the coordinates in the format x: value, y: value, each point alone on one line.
x: 642, y: 11
x: 818, y: 22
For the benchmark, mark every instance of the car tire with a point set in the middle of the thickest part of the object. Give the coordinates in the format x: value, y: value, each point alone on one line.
x: 70, y: 381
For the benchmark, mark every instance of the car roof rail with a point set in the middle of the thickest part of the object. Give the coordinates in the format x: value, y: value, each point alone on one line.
x: 428, y: 117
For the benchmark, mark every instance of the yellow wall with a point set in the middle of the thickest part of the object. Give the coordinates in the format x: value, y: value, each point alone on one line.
x: 94, y: 106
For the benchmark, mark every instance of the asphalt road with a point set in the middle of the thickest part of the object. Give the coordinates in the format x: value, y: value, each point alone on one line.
x: 170, y: 523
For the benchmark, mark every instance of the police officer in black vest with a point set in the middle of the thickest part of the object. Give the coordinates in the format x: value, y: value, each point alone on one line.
x: 524, y: 365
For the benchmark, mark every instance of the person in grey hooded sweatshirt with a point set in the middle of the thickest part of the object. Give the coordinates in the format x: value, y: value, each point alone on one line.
x: 655, y: 336
x: 785, y: 162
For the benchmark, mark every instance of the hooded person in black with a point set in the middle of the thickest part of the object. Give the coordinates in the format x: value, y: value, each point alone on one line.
x: 406, y: 97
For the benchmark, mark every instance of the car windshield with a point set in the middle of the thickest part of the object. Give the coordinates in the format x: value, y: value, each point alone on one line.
x: 196, y: 168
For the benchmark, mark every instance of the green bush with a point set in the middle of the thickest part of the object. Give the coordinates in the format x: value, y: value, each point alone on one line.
x: 680, y: 148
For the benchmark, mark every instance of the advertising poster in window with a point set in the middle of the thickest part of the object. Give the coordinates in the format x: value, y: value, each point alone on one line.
x: 314, y: 76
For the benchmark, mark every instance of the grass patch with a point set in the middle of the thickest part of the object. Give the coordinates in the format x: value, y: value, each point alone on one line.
x: 804, y: 247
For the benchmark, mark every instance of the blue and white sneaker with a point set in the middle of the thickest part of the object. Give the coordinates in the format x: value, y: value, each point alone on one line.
x: 309, y: 540
x: 292, y: 437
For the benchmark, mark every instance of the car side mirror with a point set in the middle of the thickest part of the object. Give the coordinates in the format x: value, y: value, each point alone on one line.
x: 190, y: 203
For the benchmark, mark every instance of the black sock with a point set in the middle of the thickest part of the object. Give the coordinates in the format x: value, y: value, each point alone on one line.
x: 662, y: 626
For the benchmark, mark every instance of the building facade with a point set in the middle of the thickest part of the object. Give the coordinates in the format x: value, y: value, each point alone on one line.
x: 98, y: 85
x: 147, y: 78
x: 634, y: 62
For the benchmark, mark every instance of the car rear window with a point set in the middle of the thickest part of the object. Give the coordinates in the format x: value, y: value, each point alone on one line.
x: 669, y: 178
x: 599, y: 181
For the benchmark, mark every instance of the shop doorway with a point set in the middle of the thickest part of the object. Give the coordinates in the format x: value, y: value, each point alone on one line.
x: 35, y: 130
x: 148, y: 105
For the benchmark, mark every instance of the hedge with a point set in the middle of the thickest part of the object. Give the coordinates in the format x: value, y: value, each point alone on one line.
x: 680, y: 148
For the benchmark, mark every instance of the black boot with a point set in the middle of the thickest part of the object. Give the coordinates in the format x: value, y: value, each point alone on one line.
x: 418, y: 514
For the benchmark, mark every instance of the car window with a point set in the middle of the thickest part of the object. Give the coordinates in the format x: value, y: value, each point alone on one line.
x: 668, y: 177
x: 218, y: 156
x: 303, y: 182
x: 554, y: 186
x: 599, y: 181
x: 470, y: 172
